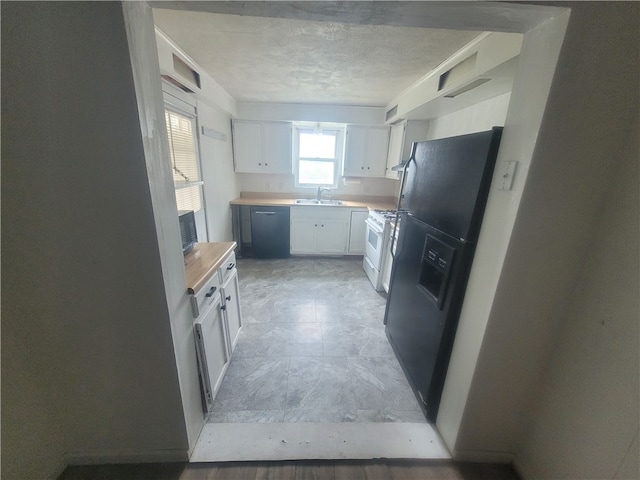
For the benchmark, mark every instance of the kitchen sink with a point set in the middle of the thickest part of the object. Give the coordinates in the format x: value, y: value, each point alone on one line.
x: 313, y: 201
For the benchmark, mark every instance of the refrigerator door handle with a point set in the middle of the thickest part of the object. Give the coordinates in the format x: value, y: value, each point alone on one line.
x: 402, y: 183
x: 396, y: 229
x: 394, y: 252
x: 404, y: 173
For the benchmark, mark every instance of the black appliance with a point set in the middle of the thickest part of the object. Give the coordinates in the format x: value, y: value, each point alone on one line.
x: 188, y: 231
x: 270, y: 227
x: 444, y: 190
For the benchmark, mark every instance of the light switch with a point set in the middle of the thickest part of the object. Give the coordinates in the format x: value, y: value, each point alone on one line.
x: 507, y: 170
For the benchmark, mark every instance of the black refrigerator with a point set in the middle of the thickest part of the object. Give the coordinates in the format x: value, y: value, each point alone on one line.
x: 444, y: 190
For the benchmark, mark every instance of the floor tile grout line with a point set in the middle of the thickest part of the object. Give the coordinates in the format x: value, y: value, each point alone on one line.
x: 353, y: 388
x: 286, y: 391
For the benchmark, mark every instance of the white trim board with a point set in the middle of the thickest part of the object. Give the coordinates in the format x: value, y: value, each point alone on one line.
x: 324, y: 441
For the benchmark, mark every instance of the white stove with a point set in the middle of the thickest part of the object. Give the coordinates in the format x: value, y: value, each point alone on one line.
x: 377, y: 235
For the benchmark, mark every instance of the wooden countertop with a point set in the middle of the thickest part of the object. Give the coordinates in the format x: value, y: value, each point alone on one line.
x: 369, y: 203
x: 203, y: 261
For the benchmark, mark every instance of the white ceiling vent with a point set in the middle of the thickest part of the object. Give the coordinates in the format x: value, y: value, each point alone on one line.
x: 176, y: 83
x: 184, y: 70
x: 391, y: 113
x: 467, y: 87
x: 459, y: 72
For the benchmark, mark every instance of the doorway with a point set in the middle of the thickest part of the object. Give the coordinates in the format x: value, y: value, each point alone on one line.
x: 544, y: 27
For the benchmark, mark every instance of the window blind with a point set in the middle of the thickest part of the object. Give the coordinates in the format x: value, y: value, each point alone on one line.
x: 184, y: 160
x: 182, y: 147
x: 189, y: 198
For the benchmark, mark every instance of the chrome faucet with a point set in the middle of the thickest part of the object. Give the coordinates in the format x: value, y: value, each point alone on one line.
x: 320, y: 190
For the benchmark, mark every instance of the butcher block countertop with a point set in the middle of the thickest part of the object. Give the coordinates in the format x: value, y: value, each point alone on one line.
x: 203, y: 261
x: 288, y: 200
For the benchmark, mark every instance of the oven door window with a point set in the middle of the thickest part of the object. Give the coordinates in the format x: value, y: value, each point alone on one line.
x: 373, y: 238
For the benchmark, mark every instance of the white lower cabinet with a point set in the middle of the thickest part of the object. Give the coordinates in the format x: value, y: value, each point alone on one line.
x: 211, y: 350
x: 357, y: 232
x: 303, y: 235
x: 217, y: 324
x: 231, y: 308
x: 319, y: 230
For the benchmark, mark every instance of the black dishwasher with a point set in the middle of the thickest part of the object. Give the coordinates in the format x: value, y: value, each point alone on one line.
x: 270, y: 232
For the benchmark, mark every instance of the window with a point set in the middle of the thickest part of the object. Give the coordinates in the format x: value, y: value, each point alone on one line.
x: 184, y: 160
x: 317, y: 155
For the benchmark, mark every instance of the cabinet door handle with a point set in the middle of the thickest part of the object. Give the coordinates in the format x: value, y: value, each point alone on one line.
x: 231, y: 265
x: 211, y: 291
x: 228, y: 298
x: 223, y: 307
x: 265, y: 213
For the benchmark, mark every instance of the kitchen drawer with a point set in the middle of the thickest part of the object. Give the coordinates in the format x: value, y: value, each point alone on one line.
x: 227, y: 268
x: 206, y: 296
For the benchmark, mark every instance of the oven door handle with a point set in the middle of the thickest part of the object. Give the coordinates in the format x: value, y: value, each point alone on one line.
x: 374, y: 226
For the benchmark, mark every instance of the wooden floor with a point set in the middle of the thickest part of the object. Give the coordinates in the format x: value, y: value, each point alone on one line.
x: 296, y: 470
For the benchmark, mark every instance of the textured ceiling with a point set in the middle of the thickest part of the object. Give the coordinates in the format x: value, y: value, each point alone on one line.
x: 265, y: 59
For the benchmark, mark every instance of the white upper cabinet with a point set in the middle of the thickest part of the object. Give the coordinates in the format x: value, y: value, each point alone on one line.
x: 395, y: 149
x: 400, y: 141
x: 366, y: 151
x: 262, y: 147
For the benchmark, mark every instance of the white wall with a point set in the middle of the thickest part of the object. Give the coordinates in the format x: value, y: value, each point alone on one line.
x: 87, y: 352
x: 540, y: 50
x: 251, y: 182
x: 477, y: 118
x: 577, y: 153
x: 220, y: 181
x: 293, y: 112
x: 586, y: 416
x: 146, y: 77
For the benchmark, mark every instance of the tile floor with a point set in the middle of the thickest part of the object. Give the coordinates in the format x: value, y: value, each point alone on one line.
x: 312, y: 348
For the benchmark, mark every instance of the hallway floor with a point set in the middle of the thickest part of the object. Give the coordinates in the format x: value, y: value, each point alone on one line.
x: 312, y: 348
x: 330, y: 470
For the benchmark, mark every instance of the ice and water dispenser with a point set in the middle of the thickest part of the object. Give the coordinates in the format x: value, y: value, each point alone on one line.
x: 437, y: 260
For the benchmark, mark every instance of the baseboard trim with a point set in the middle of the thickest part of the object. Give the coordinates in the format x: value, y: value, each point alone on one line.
x: 118, y: 457
x: 483, y: 456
